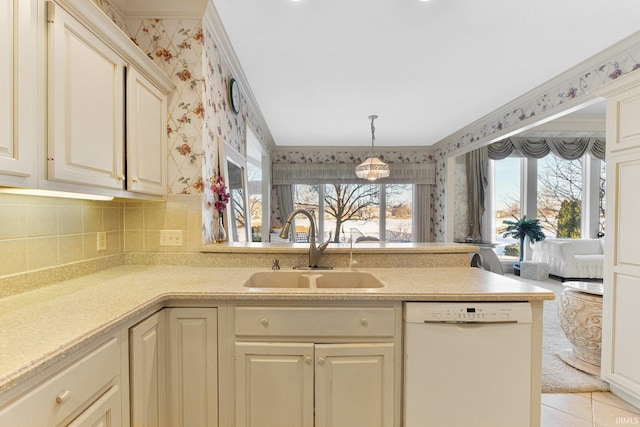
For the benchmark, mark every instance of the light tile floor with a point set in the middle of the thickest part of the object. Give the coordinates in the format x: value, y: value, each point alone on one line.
x: 587, y: 410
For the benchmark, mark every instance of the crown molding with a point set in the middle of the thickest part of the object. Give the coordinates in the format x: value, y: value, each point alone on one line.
x: 612, y: 54
x: 212, y: 22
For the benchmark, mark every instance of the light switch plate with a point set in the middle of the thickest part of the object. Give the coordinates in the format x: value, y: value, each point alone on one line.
x: 170, y: 237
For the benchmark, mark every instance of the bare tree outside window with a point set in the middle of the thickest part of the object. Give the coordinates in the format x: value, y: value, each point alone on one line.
x: 345, y: 202
x: 560, y: 195
x: 559, y: 198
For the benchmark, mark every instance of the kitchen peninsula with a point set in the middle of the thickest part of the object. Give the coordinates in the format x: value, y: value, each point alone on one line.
x: 106, y: 317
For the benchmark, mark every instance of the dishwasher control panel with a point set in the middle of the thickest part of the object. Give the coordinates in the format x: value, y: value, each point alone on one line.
x: 470, y: 312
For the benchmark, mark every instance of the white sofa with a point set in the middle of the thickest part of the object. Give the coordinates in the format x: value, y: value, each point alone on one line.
x: 571, y: 258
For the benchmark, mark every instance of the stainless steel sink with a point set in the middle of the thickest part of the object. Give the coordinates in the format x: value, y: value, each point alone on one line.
x: 313, y: 279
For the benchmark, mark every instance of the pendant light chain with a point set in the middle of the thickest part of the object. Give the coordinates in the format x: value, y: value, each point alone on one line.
x: 373, y: 132
x: 372, y: 168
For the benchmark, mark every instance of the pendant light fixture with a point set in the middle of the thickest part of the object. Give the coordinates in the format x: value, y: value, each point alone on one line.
x: 372, y: 168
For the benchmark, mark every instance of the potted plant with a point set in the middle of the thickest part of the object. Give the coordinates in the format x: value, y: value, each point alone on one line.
x: 520, y: 229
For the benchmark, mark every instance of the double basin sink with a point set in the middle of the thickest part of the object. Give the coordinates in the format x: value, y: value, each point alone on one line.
x: 310, y: 279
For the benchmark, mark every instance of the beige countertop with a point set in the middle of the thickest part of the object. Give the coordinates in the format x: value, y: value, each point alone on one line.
x: 40, y: 327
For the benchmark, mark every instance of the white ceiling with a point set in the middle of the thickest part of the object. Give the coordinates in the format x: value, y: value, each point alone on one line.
x: 319, y: 68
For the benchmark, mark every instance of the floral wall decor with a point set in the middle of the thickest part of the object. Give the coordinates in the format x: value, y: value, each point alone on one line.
x: 175, y: 45
x: 221, y: 125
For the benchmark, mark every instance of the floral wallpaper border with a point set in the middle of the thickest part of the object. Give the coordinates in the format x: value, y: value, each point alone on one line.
x: 548, y: 100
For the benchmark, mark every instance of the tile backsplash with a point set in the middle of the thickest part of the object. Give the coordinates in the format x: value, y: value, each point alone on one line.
x: 43, y: 232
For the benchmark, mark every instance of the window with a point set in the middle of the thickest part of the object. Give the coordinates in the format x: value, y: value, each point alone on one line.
x: 560, y: 196
x: 567, y: 193
x: 254, y: 190
x: 257, y: 187
x: 507, y: 202
x: 356, y: 211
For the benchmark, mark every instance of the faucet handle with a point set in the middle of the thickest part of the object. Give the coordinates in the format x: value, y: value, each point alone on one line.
x: 275, y: 265
x: 324, y: 245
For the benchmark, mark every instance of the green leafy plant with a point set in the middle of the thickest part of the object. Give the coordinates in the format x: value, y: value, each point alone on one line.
x: 521, y: 229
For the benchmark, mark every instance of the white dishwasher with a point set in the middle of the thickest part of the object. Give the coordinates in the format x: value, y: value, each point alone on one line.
x: 467, y: 364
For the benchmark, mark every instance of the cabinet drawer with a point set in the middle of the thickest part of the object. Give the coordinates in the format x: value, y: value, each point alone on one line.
x: 315, y: 321
x: 57, y: 398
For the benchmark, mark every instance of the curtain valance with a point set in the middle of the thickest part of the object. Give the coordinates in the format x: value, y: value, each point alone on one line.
x: 566, y: 148
x: 329, y: 173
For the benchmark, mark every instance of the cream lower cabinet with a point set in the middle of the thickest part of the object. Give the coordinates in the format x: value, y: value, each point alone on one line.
x: 317, y: 366
x: 173, y: 369
x: 84, y: 393
x: 321, y: 385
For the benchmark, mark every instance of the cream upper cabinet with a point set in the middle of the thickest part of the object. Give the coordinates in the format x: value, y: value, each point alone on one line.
x: 621, y: 317
x: 173, y: 362
x: 86, y: 105
x: 18, y: 94
x: 146, y: 135
x: 82, y: 108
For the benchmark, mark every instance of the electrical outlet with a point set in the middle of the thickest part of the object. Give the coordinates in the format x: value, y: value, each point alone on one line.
x: 102, y: 241
x: 170, y: 237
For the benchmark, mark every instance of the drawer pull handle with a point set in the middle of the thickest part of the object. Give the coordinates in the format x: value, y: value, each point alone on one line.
x: 364, y: 321
x: 120, y: 177
x: 320, y: 360
x: 63, y: 397
x: 264, y: 321
x: 307, y: 360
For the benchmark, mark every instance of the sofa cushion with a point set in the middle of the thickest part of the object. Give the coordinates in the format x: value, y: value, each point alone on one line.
x: 586, y: 246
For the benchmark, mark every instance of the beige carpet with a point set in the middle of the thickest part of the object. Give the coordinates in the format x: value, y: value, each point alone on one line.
x: 557, y: 376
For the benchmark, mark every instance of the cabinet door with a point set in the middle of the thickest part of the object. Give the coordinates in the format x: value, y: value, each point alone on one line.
x: 274, y: 384
x: 192, y: 366
x: 86, y: 105
x: 354, y: 385
x: 146, y: 136
x: 621, y: 317
x: 104, y: 412
x: 18, y: 95
x: 148, y: 372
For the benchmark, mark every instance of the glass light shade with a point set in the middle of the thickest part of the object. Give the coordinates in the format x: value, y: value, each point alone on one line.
x: 372, y: 169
